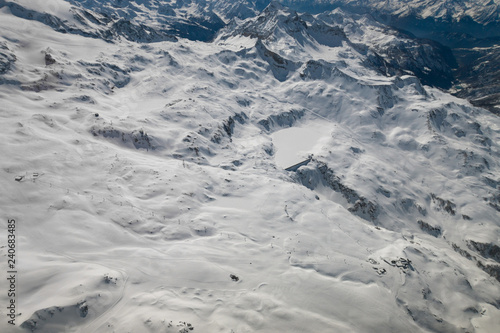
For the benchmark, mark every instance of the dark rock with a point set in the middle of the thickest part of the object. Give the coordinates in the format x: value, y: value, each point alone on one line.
x: 434, y: 231
x: 49, y: 60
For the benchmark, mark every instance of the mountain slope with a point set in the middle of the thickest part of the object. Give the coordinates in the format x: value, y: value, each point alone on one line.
x: 147, y: 181
x: 469, y: 28
x: 471, y: 17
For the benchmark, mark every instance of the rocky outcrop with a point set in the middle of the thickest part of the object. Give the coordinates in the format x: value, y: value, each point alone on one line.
x: 281, y: 120
x: 319, y: 172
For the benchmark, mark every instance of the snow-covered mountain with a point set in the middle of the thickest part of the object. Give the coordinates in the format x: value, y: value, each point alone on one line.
x: 474, y: 16
x: 470, y: 28
x: 153, y: 21
x: 144, y: 21
x: 205, y: 166
x: 382, y: 48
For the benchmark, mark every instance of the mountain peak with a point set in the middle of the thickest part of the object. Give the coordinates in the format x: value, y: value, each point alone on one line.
x: 274, y: 6
x: 275, y: 20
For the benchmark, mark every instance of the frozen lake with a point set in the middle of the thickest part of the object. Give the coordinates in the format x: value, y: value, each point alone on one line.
x: 295, y: 144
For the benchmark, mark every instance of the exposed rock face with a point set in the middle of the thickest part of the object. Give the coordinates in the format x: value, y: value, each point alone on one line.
x: 318, y: 173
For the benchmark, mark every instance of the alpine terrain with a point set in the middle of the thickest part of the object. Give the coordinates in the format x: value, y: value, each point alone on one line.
x: 249, y: 166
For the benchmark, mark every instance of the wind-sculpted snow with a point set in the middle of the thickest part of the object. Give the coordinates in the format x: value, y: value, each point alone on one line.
x: 145, y: 179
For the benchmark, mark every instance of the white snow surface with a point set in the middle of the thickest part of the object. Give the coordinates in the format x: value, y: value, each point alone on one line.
x: 295, y: 144
x: 154, y: 198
